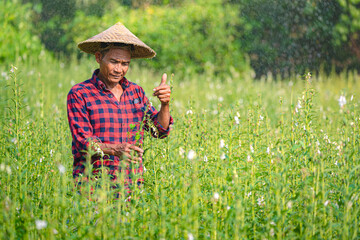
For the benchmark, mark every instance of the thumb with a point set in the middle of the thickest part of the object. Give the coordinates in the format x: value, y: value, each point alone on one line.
x: 163, y: 79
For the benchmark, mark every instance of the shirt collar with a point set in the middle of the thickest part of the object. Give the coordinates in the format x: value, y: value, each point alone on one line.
x: 101, y: 86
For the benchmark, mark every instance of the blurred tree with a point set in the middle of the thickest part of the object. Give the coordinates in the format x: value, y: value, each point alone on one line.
x: 17, y: 41
x: 347, y: 33
x: 285, y: 36
x: 192, y: 37
x: 280, y: 36
x: 51, y: 16
x: 92, y: 7
x: 146, y: 3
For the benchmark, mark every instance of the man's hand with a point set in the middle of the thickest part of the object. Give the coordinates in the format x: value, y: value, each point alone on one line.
x: 163, y: 91
x: 131, y: 152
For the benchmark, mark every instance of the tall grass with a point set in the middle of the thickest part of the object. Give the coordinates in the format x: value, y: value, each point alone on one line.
x: 246, y: 158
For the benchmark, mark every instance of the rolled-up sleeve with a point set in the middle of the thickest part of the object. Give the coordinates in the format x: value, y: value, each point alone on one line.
x: 155, y: 128
x: 161, y: 131
x: 79, y: 122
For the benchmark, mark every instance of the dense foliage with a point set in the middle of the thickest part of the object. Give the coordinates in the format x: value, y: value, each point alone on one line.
x: 246, y: 159
x: 285, y: 36
x: 281, y: 37
x: 191, y: 38
x: 17, y: 41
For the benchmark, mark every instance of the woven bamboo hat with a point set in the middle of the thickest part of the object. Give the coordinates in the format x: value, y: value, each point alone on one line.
x: 117, y: 34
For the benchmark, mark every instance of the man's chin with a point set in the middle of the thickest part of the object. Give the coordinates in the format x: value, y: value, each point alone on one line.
x: 116, y: 79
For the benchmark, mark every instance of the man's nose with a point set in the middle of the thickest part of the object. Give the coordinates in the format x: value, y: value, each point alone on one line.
x: 118, y: 68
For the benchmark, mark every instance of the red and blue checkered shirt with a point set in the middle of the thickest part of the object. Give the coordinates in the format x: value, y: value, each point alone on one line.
x: 96, y: 115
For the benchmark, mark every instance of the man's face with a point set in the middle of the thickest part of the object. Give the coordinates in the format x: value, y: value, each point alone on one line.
x: 114, y: 65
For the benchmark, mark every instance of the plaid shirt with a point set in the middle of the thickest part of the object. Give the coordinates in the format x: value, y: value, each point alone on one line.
x: 95, y: 114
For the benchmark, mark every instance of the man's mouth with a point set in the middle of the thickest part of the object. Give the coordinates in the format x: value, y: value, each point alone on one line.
x: 115, y: 76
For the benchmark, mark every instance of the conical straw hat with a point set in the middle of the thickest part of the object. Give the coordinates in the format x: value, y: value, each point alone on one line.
x: 117, y: 34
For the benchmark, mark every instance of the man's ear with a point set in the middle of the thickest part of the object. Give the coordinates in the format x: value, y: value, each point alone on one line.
x: 98, y: 57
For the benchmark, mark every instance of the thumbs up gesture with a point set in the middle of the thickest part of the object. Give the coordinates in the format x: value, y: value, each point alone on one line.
x: 163, y: 91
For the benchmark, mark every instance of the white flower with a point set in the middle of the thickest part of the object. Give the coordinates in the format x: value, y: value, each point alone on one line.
x: 221, y: 99
x: 260, y: 201
x: 352, y: 97
x: 237, y: 120
x: 326, y: 203
x: 191, y: 154
x: 13, y: 140
x: 41, y: 159
x: 51, y: 152
x: 289, y: 204
x: 272, y: 232
x: 181, y: 152
x: 268, y: 150
x: 248, y: 194
x: 222, y: 143
x: 144, y: 168
x: 13, y: 68
x: 222, y: 156
x: 336, y: 163
x: 40, y: 224
x: 342, y: 101
x: 228, y: 208
x: 261, y: 117
x: 190, y: 236
x: 61, y: 169
x: 251, y: 148
x: 55, y: 231
x: 189, y: 112
x: 298, y: 106
x: 205, y: 159
x: 216, y: 196
x: 249, y: 159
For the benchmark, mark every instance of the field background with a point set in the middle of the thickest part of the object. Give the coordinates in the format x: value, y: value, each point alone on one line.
x: 251, y: 155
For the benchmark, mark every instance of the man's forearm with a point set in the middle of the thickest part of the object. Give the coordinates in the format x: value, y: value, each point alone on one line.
x: 164, y: 116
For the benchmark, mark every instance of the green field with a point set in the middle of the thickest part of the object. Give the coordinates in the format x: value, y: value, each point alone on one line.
x: 246, y: 159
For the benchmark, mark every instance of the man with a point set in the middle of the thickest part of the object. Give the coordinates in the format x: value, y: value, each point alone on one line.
x: 107, y: 113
